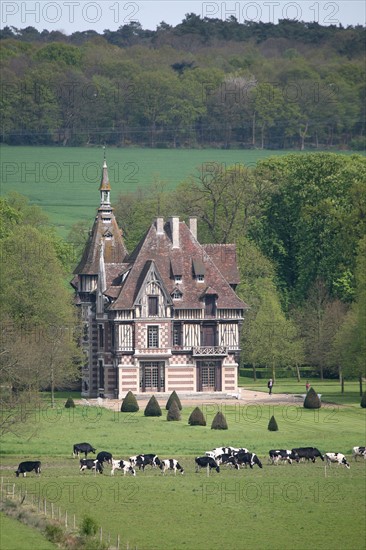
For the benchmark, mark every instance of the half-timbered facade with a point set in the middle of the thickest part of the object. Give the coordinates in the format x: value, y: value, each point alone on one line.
x: 163, y: 318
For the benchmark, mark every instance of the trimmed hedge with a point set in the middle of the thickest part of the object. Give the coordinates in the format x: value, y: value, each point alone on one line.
x: 70, y: 403
x: 152, y: 408
x: 173, y: 397
x: 312, y: 400
x: 219, y: 422
x: 129, y: 403
x: 174, y: 412
x: 272, y: 425
x: 196, y: 418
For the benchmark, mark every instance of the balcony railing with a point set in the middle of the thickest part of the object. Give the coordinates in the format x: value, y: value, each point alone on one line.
x: 210, y: 350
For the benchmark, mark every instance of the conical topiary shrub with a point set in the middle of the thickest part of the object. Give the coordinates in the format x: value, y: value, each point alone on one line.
x: 312, y: 400
x: 152, y: 408
x: 173, y: 397
x: 196, y: 418
x: 129, y: 403
x: 219, y: 422
x: 173, y: 412
x: 272, y: 425
x: 69, y: 403
x: 363, y: 400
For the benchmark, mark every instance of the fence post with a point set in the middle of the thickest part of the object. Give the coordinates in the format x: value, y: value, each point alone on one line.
x: 117, y: 542
x: 101, y: 534
x: 74, y: 522
x: 45, y: 506
x: 66, y: 518
x: 51, y: 510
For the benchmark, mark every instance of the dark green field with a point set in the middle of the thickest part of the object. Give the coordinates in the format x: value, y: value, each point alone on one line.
x: 274, y: 507
x: 64, y: 181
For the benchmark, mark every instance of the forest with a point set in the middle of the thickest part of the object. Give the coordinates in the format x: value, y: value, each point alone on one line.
x: 205, y: 82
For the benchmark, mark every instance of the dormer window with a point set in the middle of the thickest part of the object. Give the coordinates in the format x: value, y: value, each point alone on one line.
x: 177, y: 295
x: 200, y: 278
x: 178, y: 279
x: 199, y: 270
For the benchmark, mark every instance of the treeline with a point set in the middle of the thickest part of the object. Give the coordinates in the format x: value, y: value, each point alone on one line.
x: 299, y: 223
x: 205, y: 82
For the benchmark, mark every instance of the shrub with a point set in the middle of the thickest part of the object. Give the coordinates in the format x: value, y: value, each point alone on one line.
x: 173, y: 397
x: 174, y: 412
x: 54, y: 532
x: 363, y: 400
x: 272, y: 425
x: 312, y: 400
x: 196, y: 418
x: 89, y: 526
x: 69, y: 403
x: 153, y: 407
x: 129, y: 403
x: 219, y: 422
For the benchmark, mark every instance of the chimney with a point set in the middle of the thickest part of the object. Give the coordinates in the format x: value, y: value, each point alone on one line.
x: 174, y: 227
x: 159, y: 226
x: 193, y: 226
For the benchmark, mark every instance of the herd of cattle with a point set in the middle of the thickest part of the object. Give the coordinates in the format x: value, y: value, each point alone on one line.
x: 231, y: 456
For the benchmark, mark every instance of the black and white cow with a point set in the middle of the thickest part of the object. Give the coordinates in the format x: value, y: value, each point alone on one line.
x: 124, y: 465
x: 225, y: 450
x: 104, y: 456
x: 337, y: 458
x: 245, y: 459
x: 309, y: 453
x: 90, y: 464
x: 283, y: 455
x: 82, y: 448
x: 206, y: 461
x: 170, y: 464
x: 358, y: 451
x: 228, y: 459
x: 28, y: 466
x: 143, y: 460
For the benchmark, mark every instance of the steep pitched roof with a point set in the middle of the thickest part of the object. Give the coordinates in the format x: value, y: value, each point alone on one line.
x: 157, y: 247
x: 224, y: 256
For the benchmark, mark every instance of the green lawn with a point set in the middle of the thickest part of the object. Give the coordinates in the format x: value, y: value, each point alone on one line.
x: 64, y: 181
x: 277, y: 506
x: 16, y: 536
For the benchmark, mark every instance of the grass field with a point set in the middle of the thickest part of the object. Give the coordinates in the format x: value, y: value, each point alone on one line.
x: 13, y: 536
x: 64, y: 181
x: 275, y: 507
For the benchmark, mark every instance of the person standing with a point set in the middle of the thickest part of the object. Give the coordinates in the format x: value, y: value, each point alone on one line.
x: 307, y: 386
x: 270, y: 386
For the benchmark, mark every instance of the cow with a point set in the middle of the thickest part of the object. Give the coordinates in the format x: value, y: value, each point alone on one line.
x: 143, y: 460
x: 245, y: 459
x: 104, y: 456
x: 170, y: 464
x: 228, y: 460
x: 281, y: 454
x: 358, y: 451
x: 82, y: 448
x: 225, y: 450
x: 28, y: 466
x: 206, y: 461
x: 90, y: 464
x: 124, y: 465
x: 337, y: 458
x: 309, y: 453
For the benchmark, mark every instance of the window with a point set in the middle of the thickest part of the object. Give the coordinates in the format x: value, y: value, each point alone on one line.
x: 177, y: 334
x: 178, y: 278
x: 201, y: 278
x: 152, y: 337
x: 210, y: 304
x: 101, y: 336
x: 177, y: 295
x: 153, y: 305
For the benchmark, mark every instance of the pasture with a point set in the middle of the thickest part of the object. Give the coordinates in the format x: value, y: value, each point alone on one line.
x: 278, y: 506
x: 64, y: 181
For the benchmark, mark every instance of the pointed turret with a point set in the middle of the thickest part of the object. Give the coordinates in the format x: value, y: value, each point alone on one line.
x: 105, y: 187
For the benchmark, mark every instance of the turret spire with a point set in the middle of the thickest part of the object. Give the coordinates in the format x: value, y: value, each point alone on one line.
x: 105, y: 186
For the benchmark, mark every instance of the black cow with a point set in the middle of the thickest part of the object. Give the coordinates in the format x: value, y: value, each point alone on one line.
x: 82, y: 448
x: 204, y: 461
x: 90, y: 464
x: 28, y: 466
x: 145, y: 460
x: 228, y: 459
x: 104, y: 456
x: 248, y: 458
x: 309, y: 453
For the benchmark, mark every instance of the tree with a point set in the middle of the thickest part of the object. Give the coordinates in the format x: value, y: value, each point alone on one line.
x: 219, y: 422
x: 174, y: 412
x: 312, y: 400
x: 129, y: 403
x: 363, y: 400
x: 196, y: 418
x: 272, y: 425
x: 173, y: 397
x: 153, y: 407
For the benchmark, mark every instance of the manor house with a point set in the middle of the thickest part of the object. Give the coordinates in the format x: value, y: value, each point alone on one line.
x: 163, y: 318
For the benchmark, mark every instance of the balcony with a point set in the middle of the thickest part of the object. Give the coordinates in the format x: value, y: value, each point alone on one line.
x: 209, y: 351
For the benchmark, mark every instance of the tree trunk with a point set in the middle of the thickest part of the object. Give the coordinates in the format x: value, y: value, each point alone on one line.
x: 360, y: 381
x: 253, y: 130
x: 342, y: 384
x: 298, y: 372
x: 254, y: 373
x: 52, y: 388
